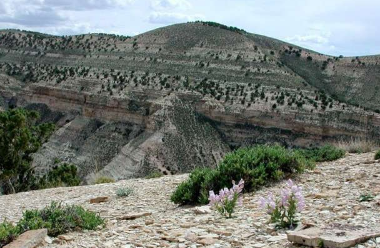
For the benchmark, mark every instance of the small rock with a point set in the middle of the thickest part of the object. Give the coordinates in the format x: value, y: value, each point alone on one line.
x: 29, y: 239
x: 134, y: 216
x: 99, y: 199
x: 65, y: 238
x: 48, y: 240
x: 207, y: 241
x: 202, y: 210
x: 149, y: 222
x: 191, y: 237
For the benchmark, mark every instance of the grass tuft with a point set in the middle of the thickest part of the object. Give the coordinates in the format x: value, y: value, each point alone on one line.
x: 56, y: 218
x: 124, y: 192
x: 377, y: 155
x: 101, y: 180
x: 357, y: 145
x: 8, y: 233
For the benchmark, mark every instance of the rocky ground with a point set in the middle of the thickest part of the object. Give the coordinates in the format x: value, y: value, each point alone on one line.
x: 332, y: 193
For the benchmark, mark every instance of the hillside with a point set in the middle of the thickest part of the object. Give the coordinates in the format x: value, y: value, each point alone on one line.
x: 180, y: 97
x: 332, y: 193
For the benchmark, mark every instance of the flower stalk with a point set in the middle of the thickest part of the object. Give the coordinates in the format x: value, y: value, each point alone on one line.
x: 227, y: 199
x: 283, y: 210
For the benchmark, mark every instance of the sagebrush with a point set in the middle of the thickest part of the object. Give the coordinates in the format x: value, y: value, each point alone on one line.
x: 257, y: 166
x: 59, y: 219
x: 377, y: 155
x: 101, y: 180
x: 8, y: 233
x: 56, y: 218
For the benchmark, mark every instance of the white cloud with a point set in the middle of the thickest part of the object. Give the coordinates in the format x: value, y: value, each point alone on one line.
x: 30, y: 13
x: 171, y: 11
x: 353, y: 27
x: 170, y: 18
x: 80, y: 5
x: 170, y: 4
x: 72, y: 29
x: 318, y: 41
x: 311, y: 38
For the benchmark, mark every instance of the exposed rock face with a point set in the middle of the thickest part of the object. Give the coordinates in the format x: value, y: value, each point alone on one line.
x: 180, y: 97
x: 173, y: 139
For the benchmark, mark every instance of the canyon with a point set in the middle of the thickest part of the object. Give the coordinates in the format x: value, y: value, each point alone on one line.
x: 181, y: 97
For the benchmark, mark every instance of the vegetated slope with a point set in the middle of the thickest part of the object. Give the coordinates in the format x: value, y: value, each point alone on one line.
x: 179, y: 97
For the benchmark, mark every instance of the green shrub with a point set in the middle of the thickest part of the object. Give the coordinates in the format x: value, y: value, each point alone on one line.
x: 8, y: 233
x: 257, y: 166
x: 101, y: 180
x: 193, y: 190
x: 323, y: 154
x: 377, y: 155
x: 64, y: 175
x: 154, y: 174
x: 59, y: 219
x: 124, y: 192
x: 20, y: 138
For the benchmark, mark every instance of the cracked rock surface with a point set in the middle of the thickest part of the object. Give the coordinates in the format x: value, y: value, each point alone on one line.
x: 147, y: 218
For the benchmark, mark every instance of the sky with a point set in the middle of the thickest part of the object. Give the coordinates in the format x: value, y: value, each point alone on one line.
x: 334, y: 27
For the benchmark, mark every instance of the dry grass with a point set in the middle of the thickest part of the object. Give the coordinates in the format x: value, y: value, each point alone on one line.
x: 357, y: 145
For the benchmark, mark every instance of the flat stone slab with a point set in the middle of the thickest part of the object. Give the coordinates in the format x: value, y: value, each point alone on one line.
x: 134, y: 216
x: 202, y: 210
x: 29, y: 239
x: 337, y: 236
x: 99, y: 200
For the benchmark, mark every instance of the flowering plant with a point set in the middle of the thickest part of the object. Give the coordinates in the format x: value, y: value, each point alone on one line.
x: 283, y: 210
x: 227, y: 199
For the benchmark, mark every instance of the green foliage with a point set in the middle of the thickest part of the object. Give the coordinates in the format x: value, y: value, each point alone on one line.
x: 8, y: 233
x: 20, y: 137
x: 365, y: 198
x: 218, y: 25
x: 64, y: 175
x: 154, y: 174
x: 377, y: 155
x: 323, y: 154
x: 194, y: 189
x: 59, y: 219
x: 124, y: 192
x: 257, y: 166
x: 101, y: 180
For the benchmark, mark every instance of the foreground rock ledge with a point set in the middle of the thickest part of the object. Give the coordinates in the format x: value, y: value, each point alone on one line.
x: 333, y: 237
x: 29, y: 239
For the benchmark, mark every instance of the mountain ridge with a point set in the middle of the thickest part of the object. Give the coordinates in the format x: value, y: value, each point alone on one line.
x: 156, y: 101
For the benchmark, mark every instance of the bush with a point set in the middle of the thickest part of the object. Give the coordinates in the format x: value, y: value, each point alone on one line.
x: 101, y: 180
x: 154, y: 174
x: 193, y: 190
x: 256, y: 166
x: 377, y: 155
x: 124, y: 192
x: 60, y: 176
x: 59, y: 219
x: 21, y: 137
x: 357, y: 145
x: 8, y: 233
x: 323, y: 154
